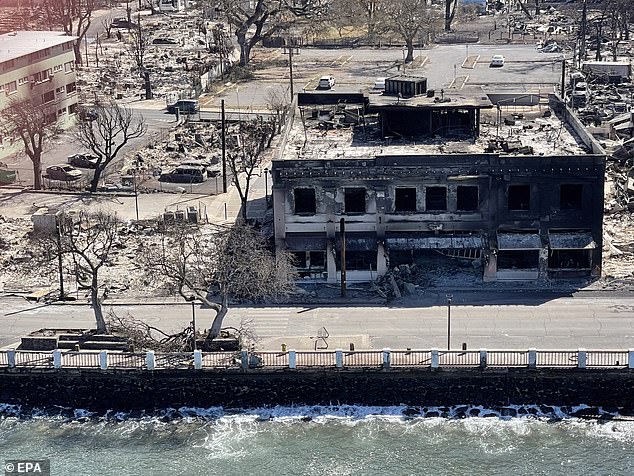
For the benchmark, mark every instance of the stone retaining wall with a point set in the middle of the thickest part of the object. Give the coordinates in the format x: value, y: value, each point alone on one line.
x: 103, y: 390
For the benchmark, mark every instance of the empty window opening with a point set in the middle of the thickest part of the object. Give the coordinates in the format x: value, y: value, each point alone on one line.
x: 317, y: 260
x: 467, y: 198
x: 436, y: 198
x: 299, y: 259
x: 518, y: 259
x: 569, y: 259
x: 519, y: 197
x: 405, y: 200
x: 358, y: 260
x: 305, y: 201
x: 354, y: 200
x: 571, y: 196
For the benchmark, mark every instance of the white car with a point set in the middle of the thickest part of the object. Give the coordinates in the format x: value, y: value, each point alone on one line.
x: 326, y: 82
x: 379, y: 84
x: 497, y: 60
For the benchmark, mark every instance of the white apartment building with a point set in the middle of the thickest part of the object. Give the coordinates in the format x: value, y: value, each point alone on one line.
x: 39, y: 65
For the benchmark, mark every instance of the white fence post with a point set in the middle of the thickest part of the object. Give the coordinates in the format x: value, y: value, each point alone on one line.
x: 198, y: 360
x: 582, y: 358
x: 630, y: 359
x: 387, y: 359
x: 434, y: 359
x: 244, y: 359
x: 483, y: 358
x: 292, y: 359
x: 339, y: 358
x: 532, y: 358
x: 57, y: 359
x: 103, y: 360
x: 149, y: 360
x: 11, y: 357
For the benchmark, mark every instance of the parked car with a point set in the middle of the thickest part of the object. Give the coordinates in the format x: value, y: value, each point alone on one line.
x: 184, y: 106
x: 87, y: 114
x: 497, y: 60
x: 379, y: 84
x: 164, y: 41
x: 84, y: 161
x: 185, y: 174
x: 326, y: 82
x: 123, y: 23
x: 63, y: 172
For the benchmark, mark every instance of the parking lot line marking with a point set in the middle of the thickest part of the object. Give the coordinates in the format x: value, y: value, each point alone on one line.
x: 346, y: 60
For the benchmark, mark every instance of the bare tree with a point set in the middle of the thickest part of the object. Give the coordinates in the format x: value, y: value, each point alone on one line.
x: 247, y: 156
x: 216, y: 265
x: 277, y: 101
x: 111, y: 129
x: 409, y: 19
x: 137, y: 48
x: 260, y: 19
x: 343, y: 14
x: 34, y: 125
x: 221, y: 45
x: 107, y: 26
x: 372, y: 10
x: 86, y: 242
x: 450, y: 12
x: 74, y: 16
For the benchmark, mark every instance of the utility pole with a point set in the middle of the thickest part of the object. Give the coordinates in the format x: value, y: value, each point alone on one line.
x: 290, y: 66
x: 86, y: 47
x: 194, y: 321
x: 224, y: 157
x: 563, y: 79
x: 136, y: 196
x: 584, y: 25
x: 449, y: 298
x: 342, y: 228
x: 59, y: 258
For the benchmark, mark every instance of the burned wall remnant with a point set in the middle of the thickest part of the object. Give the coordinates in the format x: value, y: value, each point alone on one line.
x: 529, y: 217
x: 518, y: 195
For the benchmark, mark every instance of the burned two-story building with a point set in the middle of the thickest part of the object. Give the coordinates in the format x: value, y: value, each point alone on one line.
x: 517, y: 193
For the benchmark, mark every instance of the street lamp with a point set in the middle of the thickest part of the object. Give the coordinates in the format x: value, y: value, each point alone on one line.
x: 449, y: 298
x: 266, y: 186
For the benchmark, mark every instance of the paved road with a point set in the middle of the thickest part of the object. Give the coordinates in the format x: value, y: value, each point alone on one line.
x: 494, y: 320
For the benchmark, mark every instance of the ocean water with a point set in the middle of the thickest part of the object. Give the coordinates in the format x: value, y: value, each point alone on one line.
x: 341, y: 440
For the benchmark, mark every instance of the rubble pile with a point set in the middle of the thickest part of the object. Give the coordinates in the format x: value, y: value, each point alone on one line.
x: 181, y: 54
x: 618, y: 247
x: 120, y: 277
x: 549, y: 22
x: 16, y: 256
x: 533, y: 132
x: 191, y: 141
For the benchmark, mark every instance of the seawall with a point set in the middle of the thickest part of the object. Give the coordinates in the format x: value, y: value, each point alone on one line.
x: 127, y: 390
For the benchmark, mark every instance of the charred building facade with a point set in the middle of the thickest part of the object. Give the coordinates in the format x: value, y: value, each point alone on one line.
x: 528, y: 215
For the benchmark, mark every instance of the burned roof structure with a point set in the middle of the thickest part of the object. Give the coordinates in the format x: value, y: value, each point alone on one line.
x: 515, y: 191
x: 428, y: 113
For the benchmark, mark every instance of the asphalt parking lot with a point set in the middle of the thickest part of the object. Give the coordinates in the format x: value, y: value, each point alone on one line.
x: 525, y: 69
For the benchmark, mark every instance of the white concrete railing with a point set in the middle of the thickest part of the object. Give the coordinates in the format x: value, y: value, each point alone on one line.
x: 338, y: 359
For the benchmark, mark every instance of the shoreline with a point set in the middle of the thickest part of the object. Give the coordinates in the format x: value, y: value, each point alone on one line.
x: 305, y: 414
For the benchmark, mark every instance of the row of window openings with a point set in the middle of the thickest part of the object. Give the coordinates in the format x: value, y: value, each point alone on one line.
x: 7, y: 65
x: 404, y: 199
x: 307, y: 261
x: 50, y: 95
x: 571, y: 198
x: 39, y: 77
